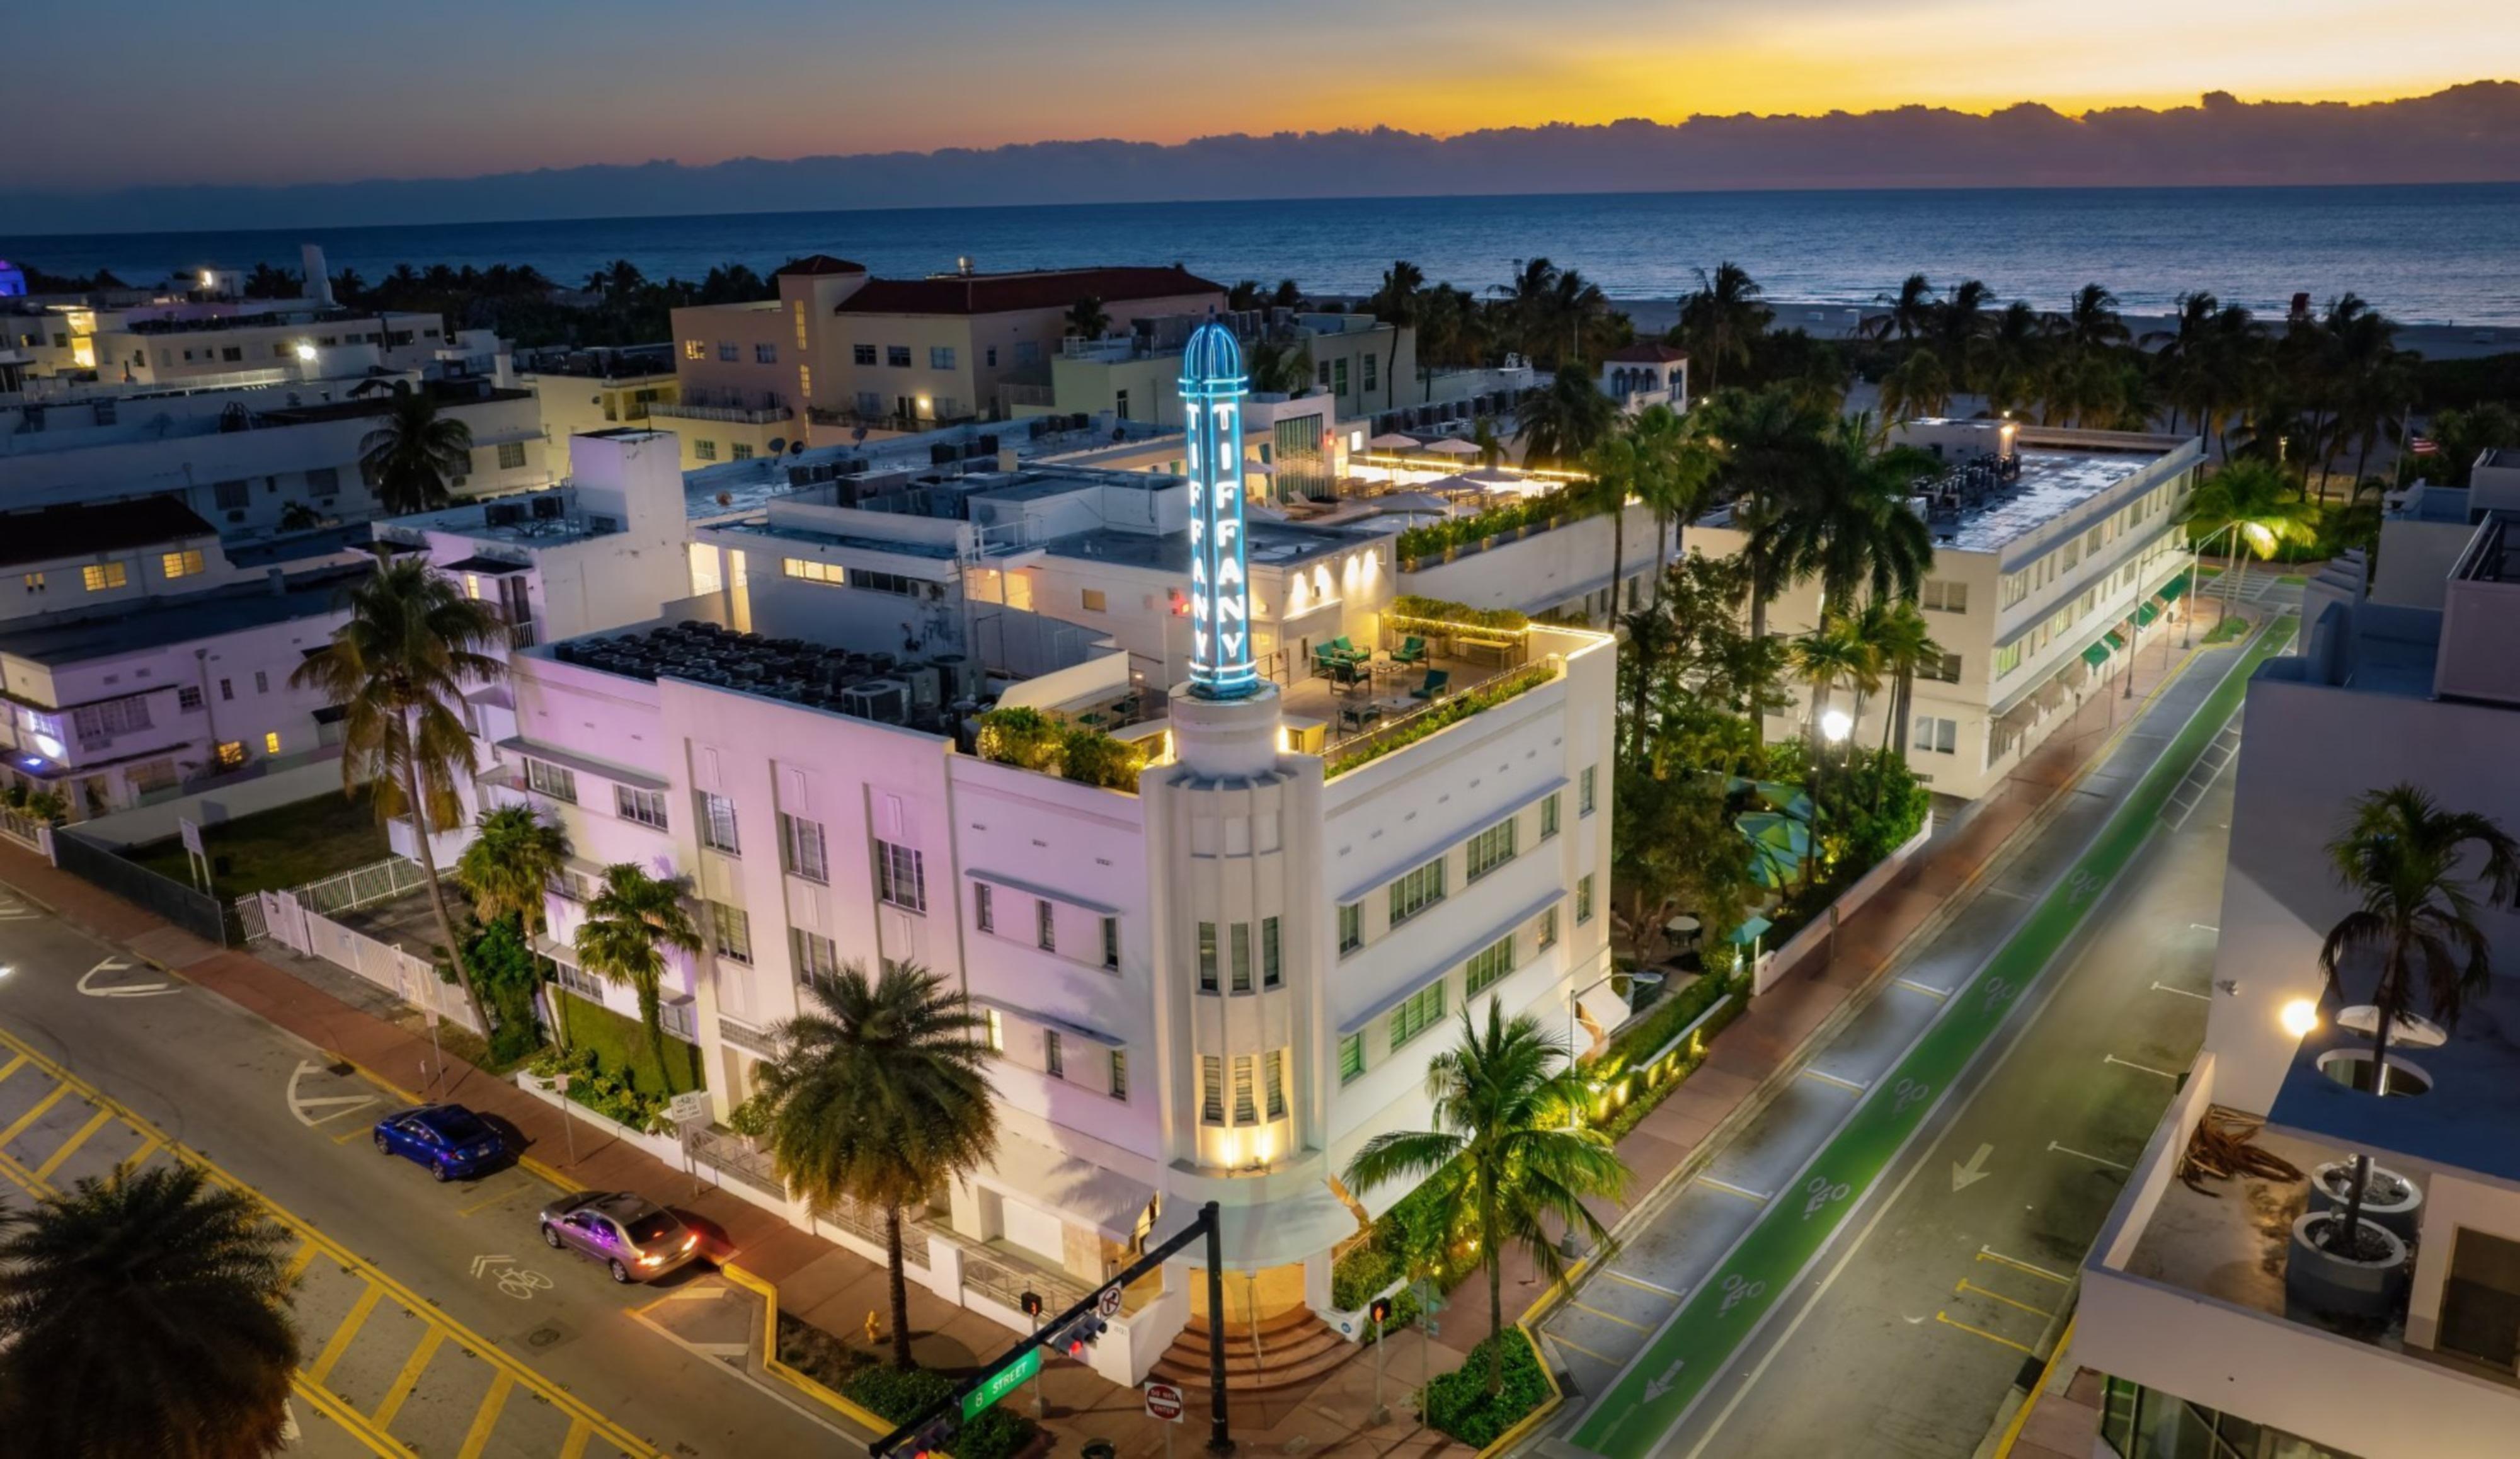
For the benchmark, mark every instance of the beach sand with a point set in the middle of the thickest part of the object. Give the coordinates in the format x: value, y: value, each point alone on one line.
x: 1837, y: 320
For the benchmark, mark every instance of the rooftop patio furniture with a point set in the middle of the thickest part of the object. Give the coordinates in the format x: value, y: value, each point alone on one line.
x: 1359, y: 715
x: 1412, y: 650
x: 1435, y: 683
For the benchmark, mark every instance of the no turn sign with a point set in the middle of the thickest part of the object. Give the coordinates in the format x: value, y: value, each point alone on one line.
x: 1163, y: 1401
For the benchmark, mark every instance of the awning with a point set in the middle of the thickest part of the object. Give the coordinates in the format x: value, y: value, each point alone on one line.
x: 490, y: 567
x: 2172, y: 591
x: 1071, y: 1187
x: 1750, y: 931
x: 1274, y: 1233
x: 2113, y: 639
x: 2097, y: 654
x: 2145, y: 613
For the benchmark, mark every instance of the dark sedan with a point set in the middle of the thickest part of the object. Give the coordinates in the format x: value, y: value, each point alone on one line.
x: 449, y: 1139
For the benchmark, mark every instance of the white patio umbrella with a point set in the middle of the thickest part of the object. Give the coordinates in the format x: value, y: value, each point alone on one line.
x: 1392, y: 440
x: 1452, y: 446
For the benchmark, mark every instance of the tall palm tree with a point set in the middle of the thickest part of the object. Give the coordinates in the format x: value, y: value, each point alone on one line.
x: 630, y: 922
x: 2091, y: 320
x: 880, y: 1094
x: 1524, y: 302
x: 1721, y: 318
x: 1088, y: 318
x: 1279, y: 366
x: 1395, y: 303
x: 1919, y: 386
x: 398, y: 669
x: 1958, y: 320
x: 1771, y: 444
x: 408, y: 459
x: 1558, y: 426
x: 2402, y: 858
x: 2249, y: 499
x: 1909, y: 311
x: 1902, y: 644
x: 1508, y: 1156
x: 1618, y: 467
x: 1831, y: 654
x: 1682, y: 459
x: 513, y: 857
x: 146, y: 1315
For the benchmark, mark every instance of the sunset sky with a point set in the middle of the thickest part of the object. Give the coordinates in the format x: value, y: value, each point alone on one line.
x: 283, y: 91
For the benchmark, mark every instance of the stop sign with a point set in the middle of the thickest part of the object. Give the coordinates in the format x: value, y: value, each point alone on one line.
x: 1163, y: 1401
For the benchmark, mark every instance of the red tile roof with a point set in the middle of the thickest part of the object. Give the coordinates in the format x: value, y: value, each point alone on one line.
x: 998, y: 294
x: 1645, y: 352
x: 819, y: 263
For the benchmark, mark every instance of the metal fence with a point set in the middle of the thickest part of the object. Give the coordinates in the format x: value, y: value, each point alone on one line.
x: 26, y: 831
x: 197, y: 913
x: 378, y: 881
x: 733, y: 1157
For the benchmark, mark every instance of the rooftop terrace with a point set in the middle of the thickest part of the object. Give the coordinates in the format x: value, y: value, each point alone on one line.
x: 2049, y: 484
x: 159, y: 622
x: 547, y: 518
x: 735, y: 488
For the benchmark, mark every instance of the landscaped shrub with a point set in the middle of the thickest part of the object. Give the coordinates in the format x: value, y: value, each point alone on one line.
x: 1023, y: 736
x: 507, y: 972
x: 1463, y: 531
x: 1036, y: 741
x: 897, y: 1394
x: 606, y: 1092
x: 1450, y: 711
x: 1444, y: 610
x: 1459, y: 1405
x: 1090, y: 757
x: 1362, y: 1271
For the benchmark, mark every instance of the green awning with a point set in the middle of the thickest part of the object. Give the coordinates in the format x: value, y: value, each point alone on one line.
x: 2114, y: 639
x: 2172, y: 590
x: 2096, y: 655
x: 2145, y: 613
x: 1750, y: 931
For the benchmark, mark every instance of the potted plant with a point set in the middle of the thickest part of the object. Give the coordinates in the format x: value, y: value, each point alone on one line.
x: 750, y: 1120
x: 2389, y: 1199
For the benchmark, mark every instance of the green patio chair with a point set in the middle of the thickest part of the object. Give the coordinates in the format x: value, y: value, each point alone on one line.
x: 1436, y: 682
x: 1412, y: 650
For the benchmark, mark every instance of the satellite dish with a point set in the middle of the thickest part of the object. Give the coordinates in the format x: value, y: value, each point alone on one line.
x: 795, y: 448
x: 777, y: 444
x: 857, y: 433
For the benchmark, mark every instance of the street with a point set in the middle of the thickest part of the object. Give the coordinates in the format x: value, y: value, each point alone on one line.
x: 433, y: 1320
x: 1694, y: 1338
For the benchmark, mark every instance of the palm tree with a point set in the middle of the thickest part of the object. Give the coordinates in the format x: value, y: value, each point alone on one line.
x: 629, y: 924
x: 881, y: 1095
x: 1279, y: 366
x: 1772, y: 443
x: 1510, y: 1154
x: 1958, y: 320
x: 2400, y: 855
x: 515, y: 855
x: 2091, y: 320
x: 1087, y: 318
x: 2249, y: 499
x: 1909, y: 311
x: 1833, y: 653
x: 1721, y: 317
x: 1395, y: 303
x: 409, y: 458
x: 1559, y: 424
x: 1680, y: 461
x: 398, y: 669
x: 624, y: 279
x: 146, y: 1315
x: 1902, y: 644
x: 1917, y: 386
x: 1618, y: 467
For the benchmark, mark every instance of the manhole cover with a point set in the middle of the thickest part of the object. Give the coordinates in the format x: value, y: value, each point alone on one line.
x: 549, y: 1335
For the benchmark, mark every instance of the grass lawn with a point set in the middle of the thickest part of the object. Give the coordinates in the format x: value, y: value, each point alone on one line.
x: 619, y: 1042
x: 287, y: 846
x: 2234, y: 627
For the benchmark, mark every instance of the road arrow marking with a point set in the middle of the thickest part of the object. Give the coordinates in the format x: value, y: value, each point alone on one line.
x: 481, y: 1265
x: 1965, y: 1175
x: 1662, y: 1384
x: 2085, y: 1155
x: 124, y: 991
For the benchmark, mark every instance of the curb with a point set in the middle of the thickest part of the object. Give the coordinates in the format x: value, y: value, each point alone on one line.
x: 810, y: 1388
x: 2011, y: 1433
x: 1523, y: 1427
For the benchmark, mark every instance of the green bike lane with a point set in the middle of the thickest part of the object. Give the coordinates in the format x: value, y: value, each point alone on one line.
x: 1655, y: 1390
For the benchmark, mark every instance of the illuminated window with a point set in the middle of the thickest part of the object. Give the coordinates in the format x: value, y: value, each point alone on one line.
x: 101, y: 576
x: 181, y: 564
x: 812, y: 571
x: 1093, y: 600
x: 705, y: 450
x: 1584, y: 900
x: 1351, y: 1058
x: 1422, y: 1011
x: 271, y: 742
x: 1245, y: 1112
x: 997, y: 1032
x: 231, y: 754
x: 1490, y: 964
x: 693, y: 350
x: 1212, y: 1089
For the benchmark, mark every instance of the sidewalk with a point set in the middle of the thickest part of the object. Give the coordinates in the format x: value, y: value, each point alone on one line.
x: 818, y: 1281
x: 1782, y: 1021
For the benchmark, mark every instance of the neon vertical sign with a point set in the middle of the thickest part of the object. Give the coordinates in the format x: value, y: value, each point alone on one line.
x: 1220, y: 593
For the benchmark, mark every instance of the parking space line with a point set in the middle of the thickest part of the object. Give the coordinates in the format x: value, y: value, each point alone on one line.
x: 2141, y: 1068
x: 150, y: 1144
x: 353, y: 1423
x: 510, y: 1193
x: 1990, y: 1254
x: 304, y: 1259
x: 60, y: 1092
x: 360, y: 1134
x: 1580, y: 1348
x: 1635, y: 1281
x: 409, y: 1378
x: 1743, y: 1191
x: 10, y: 1067
x: 486, y: 1417
x: 342, y: 1336
x: 69, y: 1147
x: 575, y: 1446
x: 1832, y: 1078
x: 1913, y: 986
x: 1968, y: 1286
x: 1946, y: 1319
x: 2097, y: 1160
x: 1609, y: 1316
x: 2181, y: 991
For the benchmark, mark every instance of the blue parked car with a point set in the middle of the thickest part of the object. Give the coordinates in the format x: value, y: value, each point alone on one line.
x: 448, y: 1138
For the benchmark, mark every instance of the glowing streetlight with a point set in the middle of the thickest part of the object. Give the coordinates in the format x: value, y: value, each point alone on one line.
x: 1835, y: 726
x: 2299, y: 1017
x: 306, y: 351
x: 210, y: 280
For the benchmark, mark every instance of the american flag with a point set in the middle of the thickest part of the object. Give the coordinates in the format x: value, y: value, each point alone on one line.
x: 2424, y: 446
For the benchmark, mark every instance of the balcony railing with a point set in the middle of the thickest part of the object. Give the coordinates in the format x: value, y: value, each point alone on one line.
x: 737, y: 415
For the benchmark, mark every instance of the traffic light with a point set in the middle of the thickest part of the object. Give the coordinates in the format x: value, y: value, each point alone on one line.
x: 1032, y: 1305
x: 1380, y: 1310
x: 933, y: 1437
x: 1079, y: 1335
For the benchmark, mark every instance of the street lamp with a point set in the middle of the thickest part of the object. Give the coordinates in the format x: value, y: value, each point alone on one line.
x: 2299, y: 1017
x: 1835, y: 726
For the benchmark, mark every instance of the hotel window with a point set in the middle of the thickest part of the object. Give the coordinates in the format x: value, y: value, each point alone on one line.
x: 901, y: 876
x: 815, y: 955
x: 997, y: 1034
x: 1054, y: 1059
x: 271, y: 742
x: 1583, y: 899
x: 1584, y: 797
x: 512, y: 456
x: 188, y: 699
x: 1045, y: 920
x: 812, y: 571
x: 1939, y: 735
x: 231, y: 754
x: 693, y: 350
x: 705, y: 450
x: 1245, y: 1111
x: 764, y: 353
x: 1944, y: 669
x: 1547, y: 937
x: 732, y: 927
x: 1549, y: 817
x: 261, y: 681
x: 1351, y: 1058
x: 1269, y: 975
x: 1490, y: 964
x: 727, y: 352
x: 1338, y: 376
x: 227, y: 690
x: 1491, y: 848
x: 862, y: 354
x: 1241, y: 934
x: 570, y: 883
x: 992, y: 357
x: 1370, y: 361
x: 800, y: 847
x: 1111, y: 945
x: 1420, y: 1011
x: 183, y: 564
x: 1093, y: 599
x: 554, y: 781
x: 101, y: 576
x: 1416, y: 891
x: 1207, y: 957
x: 1212, y: 1089
x: 742, y: 452
x: 717, y: 824
x: 231, y: 496
x: 1273, y: 1083
x: 1119, y: 1073
x: 984, y: 914
x: 34, y: 582
x: 1351, y: 926
x: 897, y: 356
x: 1943, y: 597
x: 646, y: 807
x: 941, y: 357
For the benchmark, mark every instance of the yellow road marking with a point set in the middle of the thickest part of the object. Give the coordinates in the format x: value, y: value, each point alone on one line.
x: 60, y: 1092
x: 1641, y: 1284
x: 1984, y: 1254
x: 53, y: 1162
x: 360, y: 1134
x: 322, y: 1368
x: 486, y: 1417
x: 1968, y: 1286
x: 409, y: 1378
x: 10, y: 1066
x: 381, y: 1444
x: 304, y: 1259
x: 150, y: 1143
x: 1609, y: 1316
x: 575, y: 1446
x: 1946, y: 1319
x: 508, y: 1194
x: 1586, y: 1352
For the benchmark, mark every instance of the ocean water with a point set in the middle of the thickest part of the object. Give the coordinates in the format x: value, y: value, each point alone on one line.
x: 2432, y: 255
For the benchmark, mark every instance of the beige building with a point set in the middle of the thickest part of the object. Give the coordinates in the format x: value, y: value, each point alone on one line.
x: 1364, y: 366
x: 580, y: 391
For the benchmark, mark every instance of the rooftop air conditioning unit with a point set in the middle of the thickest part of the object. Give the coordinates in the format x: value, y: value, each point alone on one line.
x: 925, y: 685
x: 883, y: 701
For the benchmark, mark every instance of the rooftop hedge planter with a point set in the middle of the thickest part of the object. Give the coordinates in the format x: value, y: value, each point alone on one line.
x: 2392, y: 1200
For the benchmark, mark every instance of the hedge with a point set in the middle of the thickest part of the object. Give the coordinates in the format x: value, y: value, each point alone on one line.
x: 1444, y: 610
x: 902, y: 1395
x: 1461, y: 531
x: 1443, y: 716
x: 1459, y: 1405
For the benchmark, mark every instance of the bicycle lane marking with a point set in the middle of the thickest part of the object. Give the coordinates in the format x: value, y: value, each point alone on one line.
x: 1633, y: 1419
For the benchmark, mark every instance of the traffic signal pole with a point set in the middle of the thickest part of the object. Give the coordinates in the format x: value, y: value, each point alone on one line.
x: 935, y: 1423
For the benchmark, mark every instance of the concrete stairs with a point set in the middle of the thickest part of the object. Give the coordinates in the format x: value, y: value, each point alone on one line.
x: 1295, y: 1349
